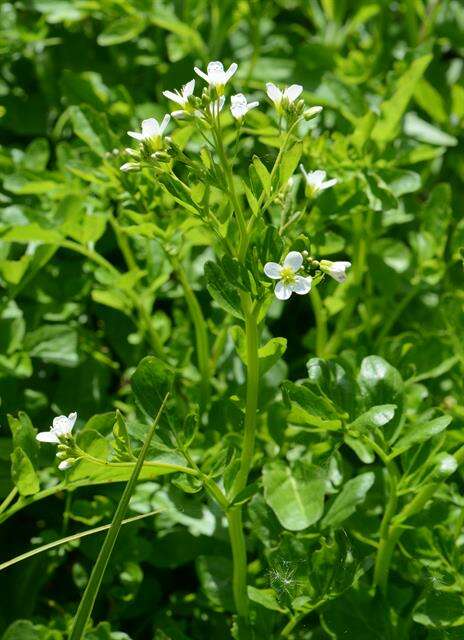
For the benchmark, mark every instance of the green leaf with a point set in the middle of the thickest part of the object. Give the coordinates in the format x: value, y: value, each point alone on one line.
x: 151, y: 381
x: 121, y: 30
x: 93, y: 128
x: 420, y: 432
x: 373, y: 418
x: 440, y: 609
x: 24, y: 435
x: 31, y: 233
x: 264, y: 175
x: 308, y: 408
x: 265, y: 597
x: 23, y: 473
x: 392, y: 110
x: 353, y: 493
x: 380, y: 384
x: 222, y: 290
x: 423, y: 131
x: 296, y: 495
x: 53, y: 343
x: 290, y: 162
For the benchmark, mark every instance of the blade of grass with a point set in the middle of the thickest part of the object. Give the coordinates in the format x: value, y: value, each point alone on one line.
x: 71, y: 538
x: 93, y: 586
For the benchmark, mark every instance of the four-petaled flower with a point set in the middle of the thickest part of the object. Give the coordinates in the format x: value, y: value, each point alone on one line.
x: 152, y: 132
x: 289, y: 282
x: 216, y: 77
x: 335, y: 269
x: 285, y: 97
x: 181, y: 97
x: 239, y: 106
x: 316, y: 182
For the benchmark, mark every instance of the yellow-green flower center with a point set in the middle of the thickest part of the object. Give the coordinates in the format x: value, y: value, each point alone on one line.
x: 287, y: 275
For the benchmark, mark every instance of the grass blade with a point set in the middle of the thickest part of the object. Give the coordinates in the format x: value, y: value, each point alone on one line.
x: 71, y: 538
x: 93, y: 586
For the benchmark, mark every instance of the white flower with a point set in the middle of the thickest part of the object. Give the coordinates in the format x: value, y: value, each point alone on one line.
x: 335, y: 269
x: 181, y: 97
x: 289, y: 282
x: 216, y: 76
x: 239, y: 106
x: 285, y: 97
x: 151, y: 129
x: 316, y: 182
x: 61, y: 428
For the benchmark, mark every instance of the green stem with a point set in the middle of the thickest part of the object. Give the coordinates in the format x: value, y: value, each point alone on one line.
x: 321, y: 321
x: 236, y: 534
x: 388, y: 537
x: 201, y: 334
x: 9, y: 499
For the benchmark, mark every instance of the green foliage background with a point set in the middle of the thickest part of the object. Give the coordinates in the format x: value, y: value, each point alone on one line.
x: 75, y: 76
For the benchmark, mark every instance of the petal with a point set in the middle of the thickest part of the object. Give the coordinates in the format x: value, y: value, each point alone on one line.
x: 253, y: 105
x: 170, y: 95
x: 188, y: 89
x: 64, y: 465
x: 274, y: 93
x: 72, y: 419
x: 303, y: 171
x: 329, y: 183
x: 272, y: 270
x: 215, y: 67
x: 201, y: 73
x: 230, y: 71
x: 293, y: 92
x: 179, y: 114
x: 302, y: 285
x: 60, y: 422
x: 150, y: 128
x: 164, y: 123
x: 294, y: 260
x: 135, y: 134
x: 318, y: 175
x: 282, y: 291
x: 47, y: 436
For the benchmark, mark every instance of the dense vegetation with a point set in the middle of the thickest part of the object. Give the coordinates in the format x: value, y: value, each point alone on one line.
x: 304, y: 478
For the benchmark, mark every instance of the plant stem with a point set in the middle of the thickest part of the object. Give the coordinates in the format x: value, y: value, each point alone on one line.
x: 201, y: 334
x: 388, y: 534
x: 9, y: 499
x: 321, y: 321
x: 237, y: 539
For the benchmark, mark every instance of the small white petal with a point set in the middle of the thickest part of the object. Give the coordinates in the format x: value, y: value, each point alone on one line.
x: 272, y: 270
x: 175, y: 97
x: 253, y: 105
x: 201, y: 74
x: 293, y: 92
x: 72, y: 419
x: 47, y: 436
x: 150, y: 128
x: 294, y: 260
x: 303, y: 171
x: 274, y: 93
x: 129, y: 166
x: 283, y: 291
x: 164, y: 123
x: 328, y: 184
x: 230, y: 71
x: 302, y: 285
x: 64, y: 465
x: 179, y: 114
x: 135, y: 134
x: 189, y: 88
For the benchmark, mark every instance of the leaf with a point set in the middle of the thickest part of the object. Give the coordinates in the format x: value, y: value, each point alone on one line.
x: 423, y: 131
x: 221, y: 290
x: 420, y: 432
x: 440, y: 609
x: 23, y: 473
x: 31, y: 233
x: 93, y: 128
x: 290, y: 162
x: 265, y: 597
x: 121, y: 30
x: 296, y: 495
x: 375, y: 417
x: 151, y: 381
x: 392, y: 110
x: 353, y: 493
x: 264, y: 175
x: 380, y: 383
x: 24, y: 435
x: 310, y: 408
x: 53, y: 343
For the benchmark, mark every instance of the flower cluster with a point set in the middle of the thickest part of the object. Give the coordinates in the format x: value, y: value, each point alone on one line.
x: 60, y: 433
